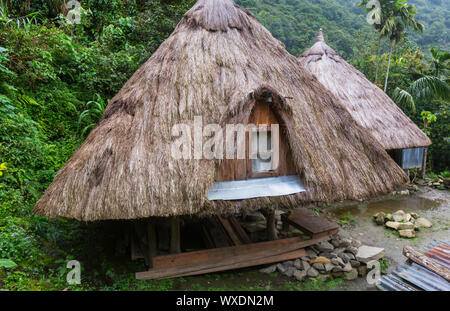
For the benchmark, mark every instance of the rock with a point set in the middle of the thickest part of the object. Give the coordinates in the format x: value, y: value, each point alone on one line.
x: 328, y: 255
x: 405, y: 226
x: 352, y: 250
x: 321, y: 260
x: 357, y: 243
x: 344, y: 257
x: 407, y: 233
x: 404, y: 192
x: 347, y: 267
x: 312, y: 272
x: 298, y: 264
x: 300, y: 275
x: 392, y: 224
x: 315, y: 249
x: 329, y: 267
x: 311, y: 254
x: 281, y: 268
x: 379, y: 219
x: 398, y: 215
x: 362, y: 270
x: 325, y: 246
x: 355, y: 263
x: 338, y: 262
x: 305, y: 258
x: 335, y: 242
x: 345, y: 243
x: 318, y: 266
x: 324, y: 277
x: 338, y: 251
x: 368, y: 253
x: 388, y: 217
x: 407, y: 217
x: 270, y: 269
x: 423, y: 222
x: 350, y: 256
x: 289, y: 263
x: 415, y: 215
x: 306, y: 265
x: 290, y: 272
x: 337, y: 274
x: 351, y: 275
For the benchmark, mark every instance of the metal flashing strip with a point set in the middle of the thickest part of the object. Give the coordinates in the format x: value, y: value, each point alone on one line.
x: 255, y: 188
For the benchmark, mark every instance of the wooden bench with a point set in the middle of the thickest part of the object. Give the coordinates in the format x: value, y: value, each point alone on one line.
x: 309, y: 223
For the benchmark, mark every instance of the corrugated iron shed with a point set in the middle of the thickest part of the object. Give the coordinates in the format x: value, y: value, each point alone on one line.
x: 415, y: 277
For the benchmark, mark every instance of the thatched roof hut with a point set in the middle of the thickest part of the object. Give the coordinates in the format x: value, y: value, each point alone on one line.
x: 217, y: 64
x: 368, y: 104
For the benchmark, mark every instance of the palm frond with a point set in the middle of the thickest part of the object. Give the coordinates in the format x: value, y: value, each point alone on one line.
x: 430, y: 87
x: 402, y: 97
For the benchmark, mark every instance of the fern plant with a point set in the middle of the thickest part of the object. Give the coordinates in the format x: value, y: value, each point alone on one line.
x: 93, y: 111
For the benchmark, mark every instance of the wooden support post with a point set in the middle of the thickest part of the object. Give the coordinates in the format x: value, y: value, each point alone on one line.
x: 151, y: 241
x: 175, y: 245
x: 271, y: 226
x: 424, y: 163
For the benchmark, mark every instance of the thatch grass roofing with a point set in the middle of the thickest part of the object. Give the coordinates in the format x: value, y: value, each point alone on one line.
x: 216, y: 63
x: 367, y: 103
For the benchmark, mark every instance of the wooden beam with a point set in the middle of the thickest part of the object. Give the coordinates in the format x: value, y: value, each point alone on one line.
x: 426, y: 262
x: 271, y: 226
x: 152, y: 247
x: 239, y: 230
x: 230, y: 261
x: 230, y: 231
x: 175, y: 245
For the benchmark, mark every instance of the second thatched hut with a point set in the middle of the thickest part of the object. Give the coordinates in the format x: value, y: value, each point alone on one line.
x: 368, y: 104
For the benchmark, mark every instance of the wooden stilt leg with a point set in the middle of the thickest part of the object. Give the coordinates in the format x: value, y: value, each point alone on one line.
x: 151, y: 241
x: 175, y: 246
x: 271, y: 226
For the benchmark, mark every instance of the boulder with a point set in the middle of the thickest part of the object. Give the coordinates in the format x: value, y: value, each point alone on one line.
x: 306, y: 265
x: 325, y: 246
x: 415, y: 215
x: 351, y: 275
x: 398, y: 216
x: 392, y: 224
x: 352, y: 250
x: 289, y: 263
x: 338, y: 262
x: 329, y: 267
x: 389, y: 217
x: 405, y: 226
x: 255, y: 217
x: 269, y: 269
x: 305, y: 258
x: 312, y: 272
x: 369, y: 253
x: 281, y: 268
x: 423, y: 222
x: 350, y: 256
x: 311, y: 254
x: 355, y: 263
x: 379, y: 218
x: 328, y: 255
x: 407, y: 217
x: 320, y: 259
x: 347, y: 267
x: 318, y: 266
x: 335, y: 242
x: 356, y: 243
x: 290, y: 272
x: 324, y: 277
x: 407, y: 233
x: 300, y: 275
x: 345, y: 243
x: 298, y: 264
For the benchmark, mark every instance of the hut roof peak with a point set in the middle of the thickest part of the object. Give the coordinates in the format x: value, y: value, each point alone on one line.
x: 218, y: 15
x: 320, y: 36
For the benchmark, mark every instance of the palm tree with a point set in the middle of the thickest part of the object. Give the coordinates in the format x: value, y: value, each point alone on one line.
x: 396, y: 26
x: 432, y: 87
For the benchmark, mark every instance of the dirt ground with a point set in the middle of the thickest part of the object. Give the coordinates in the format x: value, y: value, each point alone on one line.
x: 427, y: 202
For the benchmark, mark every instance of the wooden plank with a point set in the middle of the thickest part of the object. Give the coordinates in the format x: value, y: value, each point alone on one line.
x: 239, y: 230
x: 215, y: 232
x: 218, y: 253
x: 308, y: 222
x: 230, y: 231
x: 250, y: 263
x: 228, y: 259
x: 426, y: 262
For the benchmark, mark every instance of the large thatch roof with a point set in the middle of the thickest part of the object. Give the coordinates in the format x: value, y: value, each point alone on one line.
x: 367, y: 103
x: 216, y: 62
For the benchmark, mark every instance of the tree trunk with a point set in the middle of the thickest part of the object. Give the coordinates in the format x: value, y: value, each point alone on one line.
x: 175, y: 235
x: 378, y: 60
x: 389, y: 66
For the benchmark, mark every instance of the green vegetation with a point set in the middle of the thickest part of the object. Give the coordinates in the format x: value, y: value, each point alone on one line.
x: 56, y: 78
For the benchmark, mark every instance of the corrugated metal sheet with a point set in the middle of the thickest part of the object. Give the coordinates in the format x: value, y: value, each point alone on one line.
x: 255, y: 188
x: 415, y: 277
x: 412, y: 158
